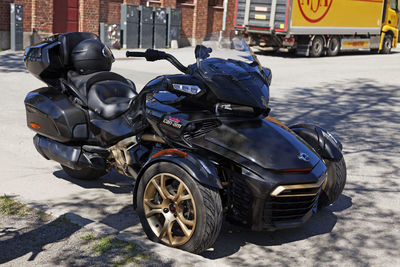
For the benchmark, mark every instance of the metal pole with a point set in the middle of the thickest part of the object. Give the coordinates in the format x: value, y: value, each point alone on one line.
x: 223, y: 23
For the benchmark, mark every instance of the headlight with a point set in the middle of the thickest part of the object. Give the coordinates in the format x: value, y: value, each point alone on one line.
x: 187, y: 88
x: 231, y: 109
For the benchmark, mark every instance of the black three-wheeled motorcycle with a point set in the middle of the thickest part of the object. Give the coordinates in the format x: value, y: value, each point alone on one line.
x: 200, y: 145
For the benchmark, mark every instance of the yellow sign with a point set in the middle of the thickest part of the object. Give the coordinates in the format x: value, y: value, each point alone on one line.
x: 260, y: 16
x: 337, y: 13
x: 355, y: 43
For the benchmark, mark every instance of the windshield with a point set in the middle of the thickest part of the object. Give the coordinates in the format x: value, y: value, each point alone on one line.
x: 234, y: 73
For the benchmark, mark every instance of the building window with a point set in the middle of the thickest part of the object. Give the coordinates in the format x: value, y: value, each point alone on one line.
x: 190, y: 2
x: 217, y: 3
x: 393, y: 4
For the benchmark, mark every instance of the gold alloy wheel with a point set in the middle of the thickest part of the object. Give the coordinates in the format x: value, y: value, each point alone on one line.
x: 170, y: 209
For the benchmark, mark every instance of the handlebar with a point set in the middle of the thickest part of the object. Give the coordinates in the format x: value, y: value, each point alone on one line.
x: 135, y: 54
x: 153, y: 55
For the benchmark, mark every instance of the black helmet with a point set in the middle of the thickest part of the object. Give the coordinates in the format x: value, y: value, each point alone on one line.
x: 91, y: 56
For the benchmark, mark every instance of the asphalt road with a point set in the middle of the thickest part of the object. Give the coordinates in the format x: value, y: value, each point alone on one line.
x: 356, y: 96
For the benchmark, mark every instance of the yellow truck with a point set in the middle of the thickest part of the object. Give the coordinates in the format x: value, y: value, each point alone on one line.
x: 318, y: 27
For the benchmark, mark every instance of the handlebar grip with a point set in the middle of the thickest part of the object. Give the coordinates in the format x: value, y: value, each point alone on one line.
x: 135, y: 54
x: 153, y: 55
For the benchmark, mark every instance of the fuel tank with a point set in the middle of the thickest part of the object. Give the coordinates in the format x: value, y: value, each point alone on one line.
x: 267, y: 144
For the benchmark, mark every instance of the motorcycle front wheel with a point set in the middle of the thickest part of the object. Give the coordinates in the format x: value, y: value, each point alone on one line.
x: 176, y: 210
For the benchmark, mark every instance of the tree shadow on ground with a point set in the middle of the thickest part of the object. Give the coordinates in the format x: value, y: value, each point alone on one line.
x: 12, y: 62
x: 360, y: 228
x: 15, y: 243
x: 361, y: 112
x: 233, y: 237
x: 121, y: 217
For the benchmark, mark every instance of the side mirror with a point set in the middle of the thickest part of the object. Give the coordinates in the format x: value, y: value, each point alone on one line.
x: 268, y: 75
x: 202, y: 52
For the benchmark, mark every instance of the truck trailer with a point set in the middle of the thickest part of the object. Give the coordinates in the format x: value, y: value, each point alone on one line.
x: 318, y: 27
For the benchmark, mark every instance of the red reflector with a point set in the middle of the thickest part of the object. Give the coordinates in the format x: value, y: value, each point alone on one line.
x: 170, y: 152
x: 297, y: 170
x: 35, y: 126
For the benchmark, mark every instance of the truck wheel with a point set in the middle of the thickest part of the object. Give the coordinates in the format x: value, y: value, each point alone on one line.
x: 334, y: 46
x: 317, y: 46
x: 84, y: 174
x: 334, y: 185
x: 387, y: 44
x: 176, y: 210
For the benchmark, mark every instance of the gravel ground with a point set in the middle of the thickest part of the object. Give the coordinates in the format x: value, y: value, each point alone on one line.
x: 37, y: 239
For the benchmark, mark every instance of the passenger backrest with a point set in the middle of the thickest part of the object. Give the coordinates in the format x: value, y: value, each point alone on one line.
x: 69, y: 41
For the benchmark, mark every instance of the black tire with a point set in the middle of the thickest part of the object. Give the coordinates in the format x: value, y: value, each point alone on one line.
x: 84, y: 174
x: 336, y: 180
x: 207, y: 209
x: 387, y: 44
x: 334, y: 46
x: 317, y: 46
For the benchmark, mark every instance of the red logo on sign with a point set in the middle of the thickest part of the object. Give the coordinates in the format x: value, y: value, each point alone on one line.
x: 314, y: 10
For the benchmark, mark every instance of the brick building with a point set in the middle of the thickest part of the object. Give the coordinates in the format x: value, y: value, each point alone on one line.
x: 44, y: 17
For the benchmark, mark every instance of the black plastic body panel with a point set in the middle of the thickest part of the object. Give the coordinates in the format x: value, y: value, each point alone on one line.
x: 59, y: 119
x: 322, y: 141
x: 250, y: 193
x: 259, y: 143
x: 43, y: 61
x: 51, y: 59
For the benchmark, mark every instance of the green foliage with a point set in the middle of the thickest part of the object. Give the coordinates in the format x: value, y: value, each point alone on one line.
x: 89, y: 236
x: 9, y: 206
x: 126, y: 251
x: 104, y: 245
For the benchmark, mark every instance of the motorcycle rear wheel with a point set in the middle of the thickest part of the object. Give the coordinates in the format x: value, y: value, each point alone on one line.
x: 336, y: 180
x: 84, y: 174
x: 176, y: 210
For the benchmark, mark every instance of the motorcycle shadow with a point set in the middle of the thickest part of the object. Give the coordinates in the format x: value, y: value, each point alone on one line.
x: 113, y: 181
x: 233, y: 237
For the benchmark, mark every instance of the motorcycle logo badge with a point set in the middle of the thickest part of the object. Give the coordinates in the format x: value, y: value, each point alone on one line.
x: 314, y: 10
x: 174, y: 122
x: 303, y: 156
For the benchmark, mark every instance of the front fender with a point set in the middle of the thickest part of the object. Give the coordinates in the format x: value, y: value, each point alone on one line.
x: 322, y: 141
x: 198, y: 168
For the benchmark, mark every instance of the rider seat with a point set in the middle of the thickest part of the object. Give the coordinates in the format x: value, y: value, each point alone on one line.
x: 108, y: 94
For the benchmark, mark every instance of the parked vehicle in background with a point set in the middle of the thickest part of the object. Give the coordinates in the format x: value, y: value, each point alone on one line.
x: 315, y: 27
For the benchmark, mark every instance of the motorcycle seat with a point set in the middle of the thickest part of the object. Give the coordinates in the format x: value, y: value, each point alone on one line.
x: 84, y: 82
x: 110, y: 99
x: 108, y: 93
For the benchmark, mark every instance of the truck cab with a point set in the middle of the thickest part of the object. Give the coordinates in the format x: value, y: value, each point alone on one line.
x: 390, y: 25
